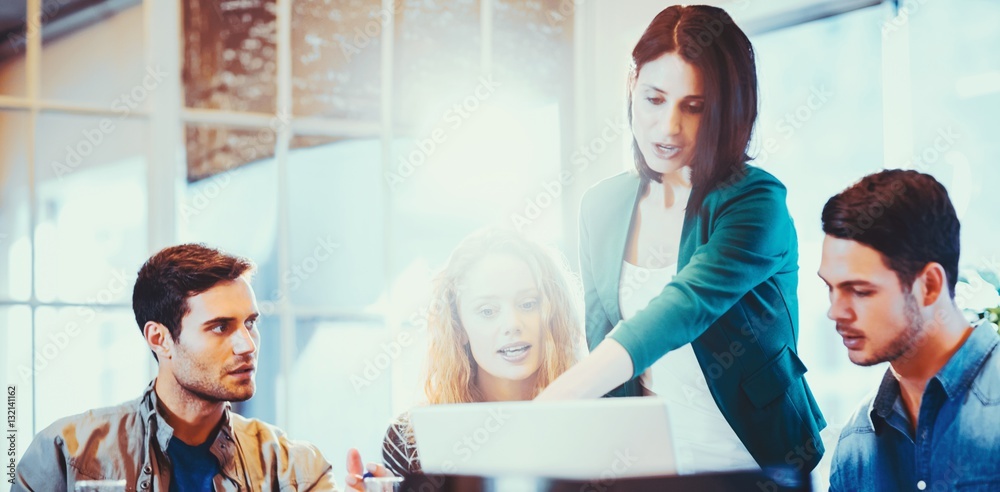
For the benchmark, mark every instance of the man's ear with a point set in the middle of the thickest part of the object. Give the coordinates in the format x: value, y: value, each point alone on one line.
x: 934, y: 282
x: 158, y: 339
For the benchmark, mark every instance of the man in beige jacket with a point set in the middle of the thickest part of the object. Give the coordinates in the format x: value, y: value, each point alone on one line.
x: 198, y: 314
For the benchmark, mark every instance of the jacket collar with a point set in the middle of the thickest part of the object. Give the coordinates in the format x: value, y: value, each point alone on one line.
x: 620, y: 205
x: 223, y: 447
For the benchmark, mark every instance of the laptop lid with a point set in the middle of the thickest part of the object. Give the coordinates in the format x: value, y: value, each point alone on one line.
x: 583, y: 439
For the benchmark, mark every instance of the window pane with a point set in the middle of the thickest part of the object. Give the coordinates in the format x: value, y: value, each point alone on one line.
x: 14, y: 32
x: 94, y: 53
x: 819, y: 130
x: 16, y: 361
x: 544, y: 29
x: 336, y: 56
x: 436, y: 57
x: 337, y: 226
x: 235, y: 209
x: 354, y: 366
x: 498, y: 167
x: 230, y: 57
x: 15, y: 243
x: 956, y: 97
x: 87, y: 358
x: 214, y: 149
x: 91, y: 234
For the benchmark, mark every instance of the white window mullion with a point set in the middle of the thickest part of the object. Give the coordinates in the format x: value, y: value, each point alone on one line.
x: 284, y: 104
x: 897, y: 108
x: 33, y: 22
x: 165, y: 169
x: 486, y: 33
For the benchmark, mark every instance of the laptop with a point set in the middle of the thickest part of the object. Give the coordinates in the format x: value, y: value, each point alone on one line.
x: 600, y: 439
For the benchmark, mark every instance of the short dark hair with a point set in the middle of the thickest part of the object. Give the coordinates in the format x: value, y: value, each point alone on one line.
x: 707, y: 38
x: 174, y: 274
x: 906, y: 216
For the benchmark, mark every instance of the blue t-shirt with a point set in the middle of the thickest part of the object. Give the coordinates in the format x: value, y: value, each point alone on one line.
x: 194, y: 467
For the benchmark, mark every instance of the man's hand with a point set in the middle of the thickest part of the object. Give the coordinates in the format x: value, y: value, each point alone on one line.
x: 355, y: 470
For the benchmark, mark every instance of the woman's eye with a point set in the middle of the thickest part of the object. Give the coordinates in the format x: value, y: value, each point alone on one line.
x: 656, y: 101
x: 695, y: 108
x: 529, y: 305
x: 487, y: 312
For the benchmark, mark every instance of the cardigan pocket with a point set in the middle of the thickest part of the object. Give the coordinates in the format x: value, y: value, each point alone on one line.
x: 771, y: 381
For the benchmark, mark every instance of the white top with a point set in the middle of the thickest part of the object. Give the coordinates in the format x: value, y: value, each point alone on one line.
x: 703, y: 439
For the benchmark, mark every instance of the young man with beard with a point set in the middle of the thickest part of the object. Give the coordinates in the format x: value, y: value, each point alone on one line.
x: 196, y: 309
x: 890, y: 260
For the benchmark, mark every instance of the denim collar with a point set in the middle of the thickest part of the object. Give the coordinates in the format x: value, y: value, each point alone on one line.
x: 955, y: 377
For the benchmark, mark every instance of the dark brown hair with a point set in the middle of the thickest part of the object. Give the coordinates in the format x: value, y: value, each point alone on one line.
x: 176, y: 273
x: 904, y: 215
x: 707, y: 38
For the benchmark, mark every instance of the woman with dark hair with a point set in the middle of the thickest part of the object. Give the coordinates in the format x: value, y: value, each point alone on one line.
x: 690, y: 263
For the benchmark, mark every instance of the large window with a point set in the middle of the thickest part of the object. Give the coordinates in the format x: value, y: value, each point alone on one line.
x: 907, y: 86
x: 344, y: 147
x: 819, y: 130
x: 74, y: 222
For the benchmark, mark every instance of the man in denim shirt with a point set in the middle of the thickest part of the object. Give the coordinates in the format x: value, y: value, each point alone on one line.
x: 890, y: 259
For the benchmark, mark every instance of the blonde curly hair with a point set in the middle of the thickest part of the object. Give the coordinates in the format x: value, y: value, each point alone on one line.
x: 451, y: 369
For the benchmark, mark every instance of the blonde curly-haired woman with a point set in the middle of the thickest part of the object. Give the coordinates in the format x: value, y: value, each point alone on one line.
x: 505, y: 324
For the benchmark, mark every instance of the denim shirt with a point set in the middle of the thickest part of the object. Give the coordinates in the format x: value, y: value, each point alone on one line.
x: 956, y: 445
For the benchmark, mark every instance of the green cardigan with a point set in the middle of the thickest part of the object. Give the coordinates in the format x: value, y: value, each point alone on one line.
x: 733, y: 299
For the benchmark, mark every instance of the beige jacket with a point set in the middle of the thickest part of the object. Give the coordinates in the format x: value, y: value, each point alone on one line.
x: 129, y: 442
